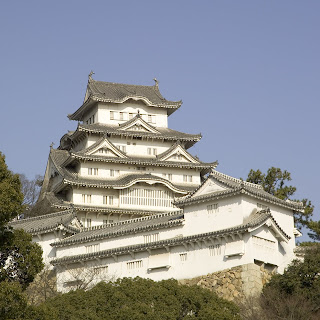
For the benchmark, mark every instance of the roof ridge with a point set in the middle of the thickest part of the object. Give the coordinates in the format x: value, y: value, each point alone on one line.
x: 240, y: 181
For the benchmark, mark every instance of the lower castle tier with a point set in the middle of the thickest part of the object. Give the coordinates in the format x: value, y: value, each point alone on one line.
x: 122, y: 196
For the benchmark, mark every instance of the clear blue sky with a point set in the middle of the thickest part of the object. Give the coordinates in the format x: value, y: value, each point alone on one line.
x: 247, y: 72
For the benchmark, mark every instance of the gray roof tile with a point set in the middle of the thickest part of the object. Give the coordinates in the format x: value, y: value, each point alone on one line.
x: 46, y: 223
x: 154, y: 222
x: 118, y: 93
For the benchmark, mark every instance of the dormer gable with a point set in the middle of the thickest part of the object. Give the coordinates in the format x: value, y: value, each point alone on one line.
x: 138, y: 124
x: 104, y: 147
x: 211, y: 185
x: 177, y: 154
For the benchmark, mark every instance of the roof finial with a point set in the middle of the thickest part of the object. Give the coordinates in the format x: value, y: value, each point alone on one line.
x: 90, y: 76
x: 51, y: 145
x: 156, y: 82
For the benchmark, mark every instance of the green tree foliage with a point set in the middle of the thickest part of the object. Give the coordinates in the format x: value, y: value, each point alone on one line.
x: 137, y: 299
x: 13, y: 303
x: 298, y: 289
x: 11, y: 198
x: 20, y: 259
x: 275, y: 183
x: 314, y: 226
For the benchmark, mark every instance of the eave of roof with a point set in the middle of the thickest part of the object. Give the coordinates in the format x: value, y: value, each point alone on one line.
x: 137, y: 225
x: 121, y: 183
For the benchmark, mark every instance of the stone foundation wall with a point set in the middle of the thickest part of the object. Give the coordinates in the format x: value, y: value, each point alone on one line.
x: 235, y: 283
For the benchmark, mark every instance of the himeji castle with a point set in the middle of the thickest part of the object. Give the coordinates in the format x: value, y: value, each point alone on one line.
x: 122, y: 196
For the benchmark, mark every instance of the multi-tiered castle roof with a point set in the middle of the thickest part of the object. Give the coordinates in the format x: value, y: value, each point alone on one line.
x: 122, y: 160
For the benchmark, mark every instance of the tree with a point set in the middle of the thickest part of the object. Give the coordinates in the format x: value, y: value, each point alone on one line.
x: 275, y: 183
x: 13, y: 302
x: 20, y: 258
x: 297, y: 289
x: 139, y: 299
x: 30, y: 190
x: 11, y: 198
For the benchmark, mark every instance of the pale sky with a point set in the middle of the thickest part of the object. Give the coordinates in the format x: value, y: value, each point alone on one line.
x: 247, y: 72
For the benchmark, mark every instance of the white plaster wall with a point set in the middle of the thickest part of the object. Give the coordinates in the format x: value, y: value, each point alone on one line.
x: 103, y: 112
x: 198, y: 220
x: 198, y: 262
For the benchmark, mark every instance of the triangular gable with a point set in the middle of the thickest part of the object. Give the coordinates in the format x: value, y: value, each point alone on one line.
x: 209, y: 186
x: 104, y: 147
x: 269, y: 230
x: 177, y: 154
x: 138, y: 124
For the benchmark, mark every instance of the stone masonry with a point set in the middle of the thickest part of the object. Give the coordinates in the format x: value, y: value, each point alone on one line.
x: 236, y: 283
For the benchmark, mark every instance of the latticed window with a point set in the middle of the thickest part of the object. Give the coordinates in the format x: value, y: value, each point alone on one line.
x: 213, y: 208
x: 134, y: 265
x: 146, y: 197
x: 108, y: 200
x: 112, y: 115
x: 151, y: 237
x: 86, y: 198
x: 92, y: 248
x: 183, y: 257
x: 215, y: 250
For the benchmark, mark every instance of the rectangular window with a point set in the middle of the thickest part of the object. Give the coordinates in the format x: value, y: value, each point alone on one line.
x: 215, y: 250
x: 111, y: 172
x: 189, y: 178
x: 123, y: 148
x: 134, y: 265
x: 108, y: 200
x: 95, y: 171
x: 121, y: 116
x: 154, y: 151
x: 111, y: 115
x: 149, y: 118
x: 130, y: 116
x: 105, y: 222
x: 212, y: 208
x: 169, y: 176
x: 92, y: 248
x: 151, y: 238
x: 185, y: 178
x: 90, y: 171
x: 88, y: 223
x: 100, y: 270
x: 149, y: 151
x: 183, y: 257
x: 100, y: 150
x: 86, y: 198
